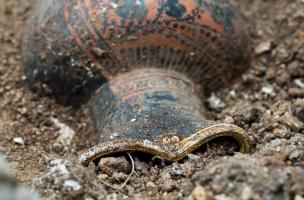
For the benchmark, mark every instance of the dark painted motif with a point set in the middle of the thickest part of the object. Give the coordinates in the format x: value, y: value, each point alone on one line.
x: 142, y: 33
x: 224, y: 13
x: 130, y: 10
x: 175, y: 9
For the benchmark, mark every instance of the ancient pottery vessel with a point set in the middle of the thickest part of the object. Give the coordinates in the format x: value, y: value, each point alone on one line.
x: 145, y: 66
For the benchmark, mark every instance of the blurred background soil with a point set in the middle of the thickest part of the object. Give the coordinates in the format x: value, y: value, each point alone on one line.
x: 268, y: 102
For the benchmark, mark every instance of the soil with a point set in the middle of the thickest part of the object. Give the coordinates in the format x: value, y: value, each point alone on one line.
x: 268, y: 101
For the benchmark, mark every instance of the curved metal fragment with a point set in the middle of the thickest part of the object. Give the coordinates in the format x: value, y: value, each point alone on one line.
x: 179, y: 149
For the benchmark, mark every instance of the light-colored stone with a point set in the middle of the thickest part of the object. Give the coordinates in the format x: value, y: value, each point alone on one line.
x: 199, y: 193
x: 150, y: 185
x: 263, y: 47
x: 299, y: 83
x: 269, y: 90
x: 229, y: 120
x: 215, y: 102
x: 67, y: 134
x: 223, y: 197
x: 18, y: 141
x: 109, y: 165
x: 73, y: 187
x: 292, y: 122
x: 299, y: 197
x: 103, y: 177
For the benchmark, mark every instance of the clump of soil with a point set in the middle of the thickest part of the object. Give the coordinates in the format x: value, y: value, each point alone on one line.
x: 268, y: 102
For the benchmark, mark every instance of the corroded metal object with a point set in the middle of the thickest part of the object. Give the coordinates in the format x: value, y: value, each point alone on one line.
x: 145, y: 65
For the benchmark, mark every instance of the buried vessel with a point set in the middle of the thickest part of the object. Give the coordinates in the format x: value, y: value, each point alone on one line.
x: 145, y: 67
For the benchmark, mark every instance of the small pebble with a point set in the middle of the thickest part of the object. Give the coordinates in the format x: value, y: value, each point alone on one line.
x: 296, y: 155
x: 299, y: 197
x: 216, y: 103
x: 172, y: 196
x: 280, y: 132
x: 73, y: 187
x: 199, y: 193
x: 67, y: 134
x: 283, y: 78
x: 229, y: 120
x: 150, y: 186
x: 57, y: 147
x: 263, y: 47
x: 292, y: 122
x: 293, y: 68
x: 166, y: 175
x: 130, y: 190
x: 194, y: 158
x: 232, y: 93
x: 177, y: 170
x: 103, y: 177
x: 299, y: 83
x: 269, y: 90
x: 18, y: 141
x: 223, y: 197
x: 88, y: 198
x: 167, y: 186
x: 300, y: 114
x: 109, y: 165
x: 187, y: 186
x: 188, y: 169
x: 271, y: 73
x: 119, y: 176
x: 296, y: 92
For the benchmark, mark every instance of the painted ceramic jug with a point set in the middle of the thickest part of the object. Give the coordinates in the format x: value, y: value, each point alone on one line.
x: 144, y: 65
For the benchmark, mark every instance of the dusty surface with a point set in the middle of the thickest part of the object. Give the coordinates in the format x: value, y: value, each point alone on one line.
x: 268, y: 101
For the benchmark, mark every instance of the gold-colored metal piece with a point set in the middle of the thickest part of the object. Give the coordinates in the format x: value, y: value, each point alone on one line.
x: 186, y: 146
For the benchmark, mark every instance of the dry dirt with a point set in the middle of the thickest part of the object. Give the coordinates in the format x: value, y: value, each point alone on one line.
x: 268, y: 102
